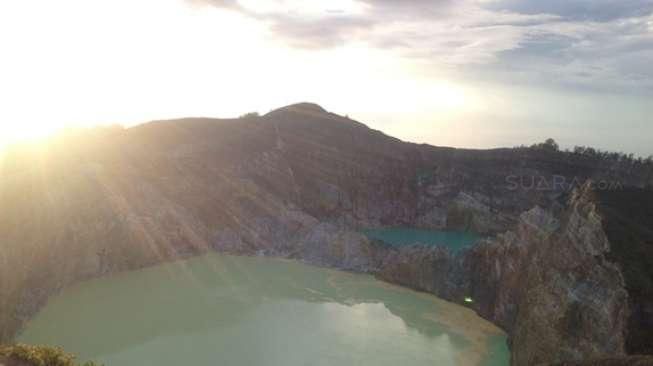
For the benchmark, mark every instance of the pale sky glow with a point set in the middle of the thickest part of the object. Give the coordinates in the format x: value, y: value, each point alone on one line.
x: 463, y: 73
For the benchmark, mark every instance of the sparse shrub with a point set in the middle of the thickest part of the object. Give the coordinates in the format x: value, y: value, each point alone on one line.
x: 250, y: 115
x: 617, y: 157
x: 41, y: 355
x: 550, y: 145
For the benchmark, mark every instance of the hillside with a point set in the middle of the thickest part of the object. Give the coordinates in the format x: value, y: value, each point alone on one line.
x: 298, y: 182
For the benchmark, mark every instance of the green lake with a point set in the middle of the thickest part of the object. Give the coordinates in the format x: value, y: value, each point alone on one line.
x: 224, y: 310
x: 454, y: 240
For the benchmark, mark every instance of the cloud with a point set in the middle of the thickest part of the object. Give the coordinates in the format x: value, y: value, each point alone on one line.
x: 608, y: 56
x: 580, y: 10
x: 416, y: 22
x: 599, y: 44
x: 324, y: 32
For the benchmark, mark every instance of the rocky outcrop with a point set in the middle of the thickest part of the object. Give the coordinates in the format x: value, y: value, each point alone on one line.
x: 548, y: 283
x: 300, y: 183
x: 574, y: 304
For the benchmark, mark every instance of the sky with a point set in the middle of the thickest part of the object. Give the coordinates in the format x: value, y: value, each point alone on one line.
x: 465, y: 73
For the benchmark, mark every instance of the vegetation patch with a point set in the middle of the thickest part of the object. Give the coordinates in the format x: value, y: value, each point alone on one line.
x: 628, y: 223
x: 26, y: 355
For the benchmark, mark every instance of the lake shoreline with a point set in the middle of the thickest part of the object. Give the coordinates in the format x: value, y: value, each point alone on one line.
x: 341, y: 278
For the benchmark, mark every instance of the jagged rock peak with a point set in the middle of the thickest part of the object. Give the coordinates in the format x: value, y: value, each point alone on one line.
x: 583, y: 193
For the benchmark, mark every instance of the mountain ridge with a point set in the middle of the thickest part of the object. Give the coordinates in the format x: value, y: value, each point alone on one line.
x: 287, y: 184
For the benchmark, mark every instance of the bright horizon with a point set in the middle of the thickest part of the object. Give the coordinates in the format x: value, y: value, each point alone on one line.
x: 474, y: 74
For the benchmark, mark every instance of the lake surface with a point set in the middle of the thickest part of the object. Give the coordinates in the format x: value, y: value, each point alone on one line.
x: 454, y: 240
x: 225, y: 310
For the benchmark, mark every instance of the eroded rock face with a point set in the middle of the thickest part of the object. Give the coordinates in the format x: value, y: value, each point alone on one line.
x: 300, y: 183
x: 422, y: 268
x: 547, y: 283
x: 574, y: 304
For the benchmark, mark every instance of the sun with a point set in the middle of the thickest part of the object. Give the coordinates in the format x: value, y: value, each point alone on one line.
x: 66, y: 64
x: 16, y: 133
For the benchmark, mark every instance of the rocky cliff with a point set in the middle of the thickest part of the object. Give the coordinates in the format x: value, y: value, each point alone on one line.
x: 550, y: 283
x: 301, y: 182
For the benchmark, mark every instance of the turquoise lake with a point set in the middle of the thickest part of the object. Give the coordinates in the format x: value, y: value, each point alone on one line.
x: 454, y: 240
x: 225, y: 310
